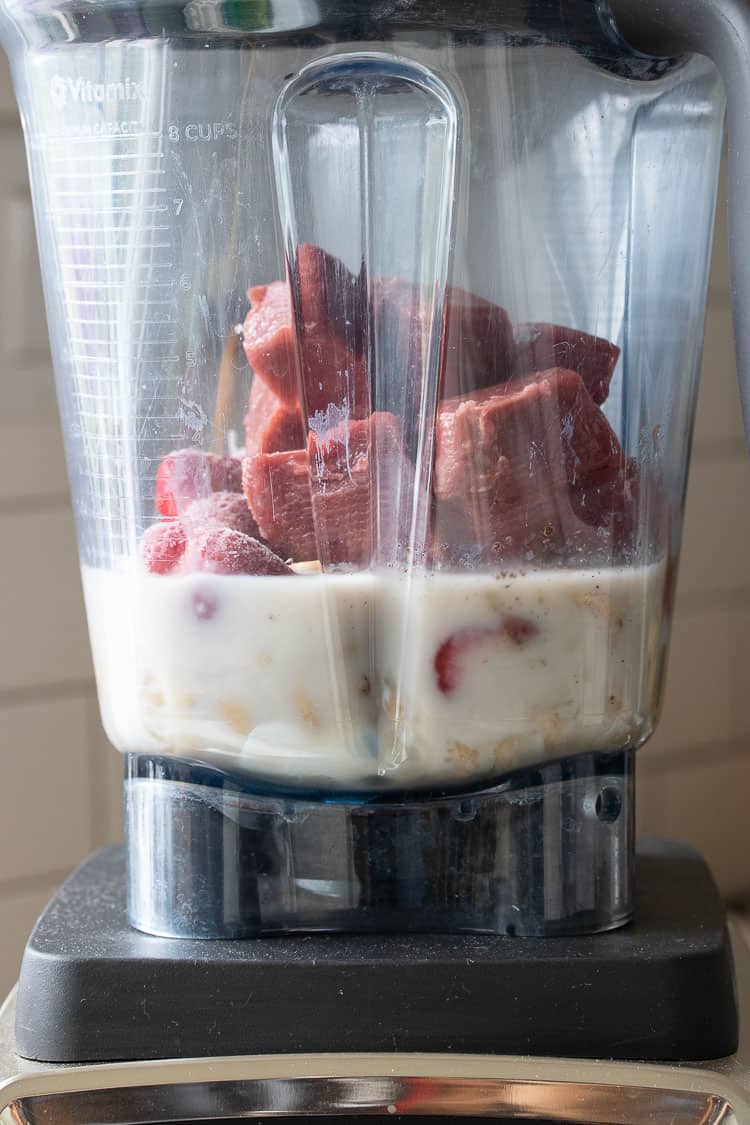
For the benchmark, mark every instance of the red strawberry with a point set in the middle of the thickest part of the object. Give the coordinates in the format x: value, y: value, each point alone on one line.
x: 163, y: 545
x: 222, y: 550
x: 221, y: 509
x: 449, y: 669
x: 190, y: 474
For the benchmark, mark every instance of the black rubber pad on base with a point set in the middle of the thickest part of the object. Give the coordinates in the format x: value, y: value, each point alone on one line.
x: 93, y: 990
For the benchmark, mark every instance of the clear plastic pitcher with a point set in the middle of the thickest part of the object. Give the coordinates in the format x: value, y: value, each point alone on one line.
x: 376, y: 336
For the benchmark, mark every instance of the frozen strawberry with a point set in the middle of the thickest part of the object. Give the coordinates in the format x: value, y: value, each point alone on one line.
x: 451, y: 656
x: 362, y: 491
x: 190, y: 474
x: 277, y: 488
x: 323, y: 353
x: 271, y: 427
x: 163, y: 545
x: 220, y: 509
x: 541, y: 346
x: 222, y: 550
x: 181, y: 478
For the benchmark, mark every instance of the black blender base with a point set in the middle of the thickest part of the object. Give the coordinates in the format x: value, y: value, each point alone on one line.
x: 94, y: 990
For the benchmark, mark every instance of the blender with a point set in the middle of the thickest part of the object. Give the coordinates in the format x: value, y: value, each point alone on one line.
x: 376, y: 329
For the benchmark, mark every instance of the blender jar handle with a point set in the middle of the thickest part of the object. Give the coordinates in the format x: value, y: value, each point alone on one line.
x: 720, y: 30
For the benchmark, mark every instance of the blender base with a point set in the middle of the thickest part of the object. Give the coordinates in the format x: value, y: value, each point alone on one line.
x: 547, y: 851
x: 658, y: 989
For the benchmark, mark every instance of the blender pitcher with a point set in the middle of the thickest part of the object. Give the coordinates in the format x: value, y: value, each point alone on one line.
x: 376, y: 334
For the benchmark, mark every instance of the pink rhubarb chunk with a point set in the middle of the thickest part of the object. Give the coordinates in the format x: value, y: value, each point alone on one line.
x: 271, y: 427
x: 277, y: 487
x: 502, y: 437
x: 478, y: 344
x: 344, y: 500
x: 332, y: 308
x: 477, y: 338
x: 530, y: 470
x: 362, y: 487
x: 541, y: 346
x: 268, y: 340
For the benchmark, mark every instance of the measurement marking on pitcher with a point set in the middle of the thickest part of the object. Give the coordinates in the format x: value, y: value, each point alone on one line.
x: 76, y: 357
x: 112, y: 266
x: 111, y: 230
x: 108, y: 175
x: 109, y: 211
x: 76, y: 194
x: 86, y: 340
x: 130, y: 246
x: 66, y: 158
x: 86, y: 285
x: 82, y: 302
x: 54, y: 142
x: 112, y: 323
x: 154, y: 357
x: 106, y: 378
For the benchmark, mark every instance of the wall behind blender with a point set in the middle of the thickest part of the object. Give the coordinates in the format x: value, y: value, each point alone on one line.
x: 60, y: 788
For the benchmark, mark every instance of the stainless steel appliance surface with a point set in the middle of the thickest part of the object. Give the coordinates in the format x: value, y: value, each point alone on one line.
x: 392, y: 1085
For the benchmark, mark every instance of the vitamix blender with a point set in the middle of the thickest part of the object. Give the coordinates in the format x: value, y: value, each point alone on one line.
x: 377, y: 328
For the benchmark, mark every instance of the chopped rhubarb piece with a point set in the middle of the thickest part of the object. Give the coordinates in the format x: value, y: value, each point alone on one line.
x: 362, y: 491
x: 610, y: 499
x: 163, y: 545
x: 331, y: 331
x: 277, y: 487
x: 540, y: 346
x: 527, y: 472
x: 221, y: 550
x: 504, y: 437
x: 333, y: 310
x: 271, y: 427
x: 226, y: 473
x: 332, y: 296
x: 181, y: 478
x: 221, y: 509
x: 284, y: 431
x: 478, y: 344
x: 449, y: 659
x: 477, y: 339
x: 595, y: 518
x: 190, y: 474
x: 269, y: 342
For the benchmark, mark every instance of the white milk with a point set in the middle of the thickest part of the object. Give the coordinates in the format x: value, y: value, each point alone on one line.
x: 331, y: 680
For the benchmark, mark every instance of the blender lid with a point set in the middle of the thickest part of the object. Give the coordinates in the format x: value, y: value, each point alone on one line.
x: 587, y: 26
